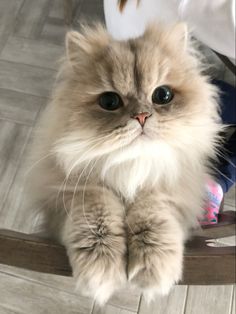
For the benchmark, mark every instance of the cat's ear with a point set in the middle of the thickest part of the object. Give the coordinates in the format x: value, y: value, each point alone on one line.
x: 88, y: 42
x: 73, y: 43
x: 179, y: 35
x: 175, y: 35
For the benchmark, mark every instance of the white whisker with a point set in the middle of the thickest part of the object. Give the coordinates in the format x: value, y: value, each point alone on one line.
x: 64, y: 183
x: 83, y: 197
x: 37, y: 162
x: 223, y: 175
x: 225, y: 158
x: 77, y: 183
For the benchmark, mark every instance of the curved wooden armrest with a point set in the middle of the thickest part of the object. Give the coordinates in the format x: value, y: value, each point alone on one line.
x: 202, y: 264
x: 224, y: 228
x: 33, y: 253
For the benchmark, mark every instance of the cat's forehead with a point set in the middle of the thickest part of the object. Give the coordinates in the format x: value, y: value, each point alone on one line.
x: 134, y: 67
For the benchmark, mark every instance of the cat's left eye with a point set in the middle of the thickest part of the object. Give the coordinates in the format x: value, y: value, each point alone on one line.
x: 162, y: 95
x: 110, y: 101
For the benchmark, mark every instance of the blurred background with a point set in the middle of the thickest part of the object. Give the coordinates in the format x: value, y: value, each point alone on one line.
x: 31, y: 41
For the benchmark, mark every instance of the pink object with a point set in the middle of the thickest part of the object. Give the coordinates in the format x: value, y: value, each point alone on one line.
x: 212, y: 206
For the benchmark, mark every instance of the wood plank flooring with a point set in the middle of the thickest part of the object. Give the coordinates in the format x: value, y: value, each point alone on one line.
x: 31, y: 41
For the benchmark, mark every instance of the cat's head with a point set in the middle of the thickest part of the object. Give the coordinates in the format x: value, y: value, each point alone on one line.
x: 145, y: 97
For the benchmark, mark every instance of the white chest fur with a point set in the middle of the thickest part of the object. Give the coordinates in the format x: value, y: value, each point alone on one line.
x: 138, y: 166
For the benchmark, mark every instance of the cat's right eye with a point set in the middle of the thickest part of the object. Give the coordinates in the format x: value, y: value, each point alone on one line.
x: 162, y: 95
x: 110, y: 101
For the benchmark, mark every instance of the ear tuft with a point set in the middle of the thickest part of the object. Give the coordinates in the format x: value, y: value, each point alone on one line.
x: 179, y: 34
x: 73, y: 43
x: 72, y: 40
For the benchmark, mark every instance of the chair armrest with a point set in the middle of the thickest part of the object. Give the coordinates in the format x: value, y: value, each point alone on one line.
x: 202, y: 264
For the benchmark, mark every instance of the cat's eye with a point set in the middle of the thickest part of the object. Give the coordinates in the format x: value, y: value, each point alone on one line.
x: 162, y: 95
x: 110, y: 101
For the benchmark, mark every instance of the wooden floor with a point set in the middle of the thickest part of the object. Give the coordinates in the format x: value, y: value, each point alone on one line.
x: 31, y: 40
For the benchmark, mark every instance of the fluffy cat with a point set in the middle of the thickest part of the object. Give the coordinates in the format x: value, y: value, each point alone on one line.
x: 122, y: 155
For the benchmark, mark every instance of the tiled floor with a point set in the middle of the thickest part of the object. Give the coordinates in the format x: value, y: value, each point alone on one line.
x: 31, y: 40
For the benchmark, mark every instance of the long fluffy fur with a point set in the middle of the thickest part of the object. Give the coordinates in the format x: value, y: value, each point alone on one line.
x: 121, y: 202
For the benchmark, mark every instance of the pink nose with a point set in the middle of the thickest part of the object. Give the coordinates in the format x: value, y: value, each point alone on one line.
x: 141, y: 117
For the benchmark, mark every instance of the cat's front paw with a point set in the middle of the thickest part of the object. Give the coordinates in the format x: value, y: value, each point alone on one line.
x: 99, y: 264
x: 100, y: 277
x: 154, y: 266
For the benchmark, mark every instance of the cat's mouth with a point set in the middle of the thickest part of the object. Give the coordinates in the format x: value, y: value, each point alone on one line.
x: 144, y: 133
x: 141, y: 136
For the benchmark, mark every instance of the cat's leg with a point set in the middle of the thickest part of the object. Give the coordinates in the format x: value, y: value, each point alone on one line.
x: 95, y: 238
x: 155, y: 245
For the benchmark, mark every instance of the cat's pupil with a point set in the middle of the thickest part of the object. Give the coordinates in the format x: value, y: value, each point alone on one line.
x: 110, y: 101
x: 162, y: 95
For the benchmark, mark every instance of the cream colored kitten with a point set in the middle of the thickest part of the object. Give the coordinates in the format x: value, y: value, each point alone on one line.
x: 122, y: 157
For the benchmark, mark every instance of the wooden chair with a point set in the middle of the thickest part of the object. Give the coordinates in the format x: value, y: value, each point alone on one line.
x: 204, y: 264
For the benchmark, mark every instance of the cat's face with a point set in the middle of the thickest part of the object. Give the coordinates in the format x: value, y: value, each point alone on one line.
x: 146, y: 94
